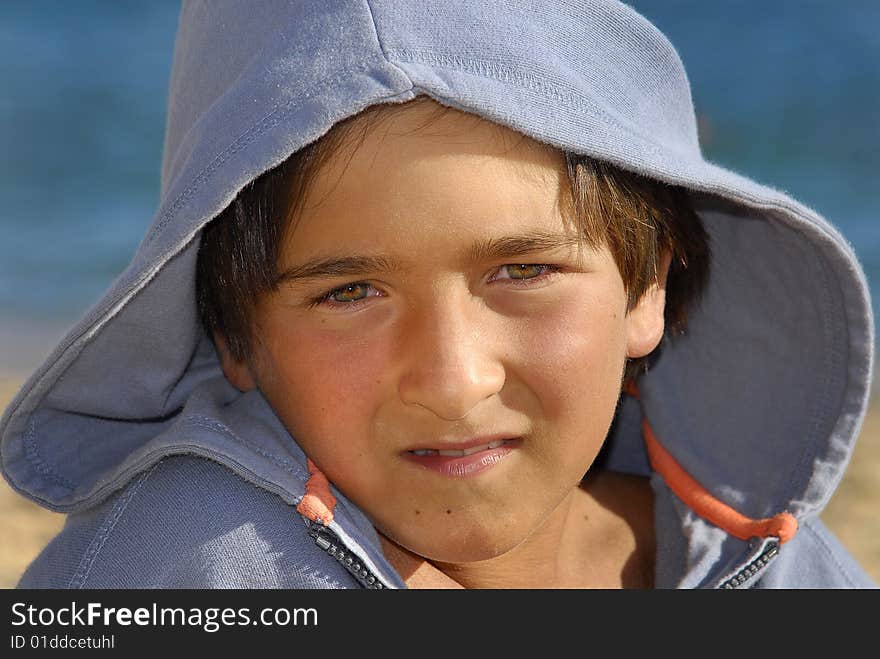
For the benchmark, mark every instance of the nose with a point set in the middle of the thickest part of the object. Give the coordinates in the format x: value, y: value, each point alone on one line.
x: 451, y: 362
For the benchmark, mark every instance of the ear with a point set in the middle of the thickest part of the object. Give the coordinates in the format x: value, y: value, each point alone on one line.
x: 646, y: 319
x: 237, y: 372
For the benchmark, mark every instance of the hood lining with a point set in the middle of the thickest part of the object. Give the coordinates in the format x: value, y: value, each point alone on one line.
x: 825, y: 398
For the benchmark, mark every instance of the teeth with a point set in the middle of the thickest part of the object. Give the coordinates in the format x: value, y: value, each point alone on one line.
x: 450, y: 453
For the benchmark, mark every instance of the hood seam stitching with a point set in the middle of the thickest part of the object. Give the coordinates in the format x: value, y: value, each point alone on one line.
x: 38, y: 462
x: 506, y: 75
x: 257, y: 129
x: 286, y: 465
x: 97, y: 544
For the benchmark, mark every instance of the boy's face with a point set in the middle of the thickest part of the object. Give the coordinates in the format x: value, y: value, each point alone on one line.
x: 464, y: 311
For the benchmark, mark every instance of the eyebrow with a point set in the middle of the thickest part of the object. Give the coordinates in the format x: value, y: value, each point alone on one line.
x: 522, y: 245
x: 489, y: 249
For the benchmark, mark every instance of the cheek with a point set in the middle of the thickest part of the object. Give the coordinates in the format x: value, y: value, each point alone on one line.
x: 572, y: 357
x: 328, y: 385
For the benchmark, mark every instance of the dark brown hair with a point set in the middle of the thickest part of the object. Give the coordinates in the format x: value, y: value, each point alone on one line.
x: 638, y: 218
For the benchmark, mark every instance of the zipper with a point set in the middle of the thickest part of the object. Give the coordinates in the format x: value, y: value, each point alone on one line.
x: 754, y: 567
x: 328, y: 541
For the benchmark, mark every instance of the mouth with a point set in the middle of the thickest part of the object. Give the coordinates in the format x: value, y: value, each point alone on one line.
x: 466, y: 459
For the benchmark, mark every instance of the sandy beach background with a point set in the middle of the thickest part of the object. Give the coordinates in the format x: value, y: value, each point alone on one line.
x: 853, y: 513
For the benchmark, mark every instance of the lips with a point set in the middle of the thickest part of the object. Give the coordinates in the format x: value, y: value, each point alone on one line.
x: 464, y: 458
x: 460, y: 452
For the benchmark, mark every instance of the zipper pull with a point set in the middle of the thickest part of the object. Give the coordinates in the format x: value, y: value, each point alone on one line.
x: 322, y: 542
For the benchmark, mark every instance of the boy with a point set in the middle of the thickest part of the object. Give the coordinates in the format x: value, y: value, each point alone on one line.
x: 407, y: 261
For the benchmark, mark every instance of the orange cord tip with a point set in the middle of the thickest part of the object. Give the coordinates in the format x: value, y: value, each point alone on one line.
x: 318, y: 502
x: 783, y: 526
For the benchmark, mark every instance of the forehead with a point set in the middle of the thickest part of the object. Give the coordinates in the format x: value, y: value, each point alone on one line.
x: 438, y: 129
x: 406, y: 173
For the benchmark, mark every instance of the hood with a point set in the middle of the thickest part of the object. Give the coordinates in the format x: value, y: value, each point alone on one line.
x: 760, y: 401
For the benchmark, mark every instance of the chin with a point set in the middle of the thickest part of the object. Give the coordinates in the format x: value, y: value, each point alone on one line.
x: 463, y: 545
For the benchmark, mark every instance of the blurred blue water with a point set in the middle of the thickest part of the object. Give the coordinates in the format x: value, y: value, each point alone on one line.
x: 788, y: 92
x: 81, y: 128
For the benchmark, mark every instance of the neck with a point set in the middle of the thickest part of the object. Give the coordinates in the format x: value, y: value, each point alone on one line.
x: 592, y: 540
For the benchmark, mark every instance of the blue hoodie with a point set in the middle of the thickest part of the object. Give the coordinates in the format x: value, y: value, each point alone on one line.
x: 171, y: 477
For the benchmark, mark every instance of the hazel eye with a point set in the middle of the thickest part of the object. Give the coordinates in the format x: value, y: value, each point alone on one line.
x: 346, y: 298
x: 523, y: 271
x: 349, y: 293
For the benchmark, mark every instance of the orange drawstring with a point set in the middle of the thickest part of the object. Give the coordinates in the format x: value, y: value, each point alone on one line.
x: 783, y: 525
